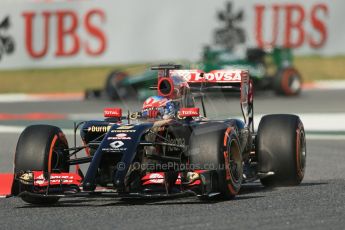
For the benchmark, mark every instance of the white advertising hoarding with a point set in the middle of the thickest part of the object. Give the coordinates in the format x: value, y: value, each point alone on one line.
x: 72, y: 33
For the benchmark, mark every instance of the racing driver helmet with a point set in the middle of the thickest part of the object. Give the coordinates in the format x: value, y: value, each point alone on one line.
x: 158, y: 107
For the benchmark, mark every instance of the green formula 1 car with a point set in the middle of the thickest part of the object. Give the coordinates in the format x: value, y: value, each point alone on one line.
x: 269, y: 69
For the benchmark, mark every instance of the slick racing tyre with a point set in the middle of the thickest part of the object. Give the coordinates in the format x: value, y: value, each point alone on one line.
x: 281, y: 149
x: 216, y: 146
x: 114, y: 88
x: 287, y: 82
x: 41, y: 148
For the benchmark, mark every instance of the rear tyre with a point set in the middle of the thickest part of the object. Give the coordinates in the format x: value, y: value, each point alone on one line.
x: 287, y: 82
x: 114, y: 88
x: 216, y: 146
x: 41, y: 148
x: 281, y: 148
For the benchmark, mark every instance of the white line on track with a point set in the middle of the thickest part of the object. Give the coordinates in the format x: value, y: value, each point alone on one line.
x: 85, y: 116
x: 13, y: 97
x: 325, y: 137
x: 22, y: 97
x: 321, y: 122
x: 19, y: 129
x: 329, y: 85
x: 11, y: 129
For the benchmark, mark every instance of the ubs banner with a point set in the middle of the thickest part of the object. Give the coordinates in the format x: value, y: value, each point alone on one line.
x: 71, y: 33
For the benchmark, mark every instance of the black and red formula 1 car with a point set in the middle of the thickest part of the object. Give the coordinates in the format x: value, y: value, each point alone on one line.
x: 168, y: 149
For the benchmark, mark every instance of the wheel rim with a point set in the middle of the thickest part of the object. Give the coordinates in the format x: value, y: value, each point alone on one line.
x: 294, y: 83
x: 55, y: 160
x: 56, y: 156
x: 291, y: 83
x: 235, y: 161
x: 301, y: 153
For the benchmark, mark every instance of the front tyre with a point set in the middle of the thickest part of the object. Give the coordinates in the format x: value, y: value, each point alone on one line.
x: 281, y: 149
x: 216, y: 146
x: 41, y: 148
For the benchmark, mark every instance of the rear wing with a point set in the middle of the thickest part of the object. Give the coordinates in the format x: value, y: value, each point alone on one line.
x: 215, y: 76
x: 199, y: 81
x: 224, y: 80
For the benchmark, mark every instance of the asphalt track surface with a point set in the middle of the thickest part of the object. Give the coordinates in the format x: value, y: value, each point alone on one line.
x: 318, y: 203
